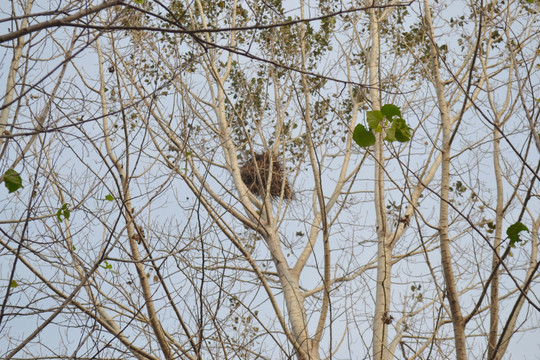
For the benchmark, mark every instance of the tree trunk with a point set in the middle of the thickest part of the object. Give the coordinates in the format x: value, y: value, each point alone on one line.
x: 294, y: 300
x: 446, y: 256
x: 494, y: 295
x: 384, y: 250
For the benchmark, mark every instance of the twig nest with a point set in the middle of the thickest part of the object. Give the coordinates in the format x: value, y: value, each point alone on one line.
x: 256, y: 172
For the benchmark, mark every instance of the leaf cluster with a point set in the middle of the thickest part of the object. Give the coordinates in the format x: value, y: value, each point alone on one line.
x: 388, y: 119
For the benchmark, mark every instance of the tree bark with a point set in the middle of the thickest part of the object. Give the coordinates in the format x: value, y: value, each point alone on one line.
x: 494, y: 294
x: 12, y: 74
x: 458, y: 321
x: 384, y: 249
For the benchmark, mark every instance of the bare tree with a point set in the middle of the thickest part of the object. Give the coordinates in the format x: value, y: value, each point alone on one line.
x: 266, y: 180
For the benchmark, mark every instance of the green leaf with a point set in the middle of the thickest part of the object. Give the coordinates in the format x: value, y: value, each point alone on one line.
x: 363, y: 137
x: 391, y: 110
x: 63, y: 212
x: 12, y: 180
x: 109, y: 197
x: 399, y: 131
x: 403, y: 132
x: 13, y: 284
x: 513, y: 233
x: 390, y: 134
x: 107, y: 266
x: 374, y: 119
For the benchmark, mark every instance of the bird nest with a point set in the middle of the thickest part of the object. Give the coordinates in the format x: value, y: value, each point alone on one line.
x: 256, y: 172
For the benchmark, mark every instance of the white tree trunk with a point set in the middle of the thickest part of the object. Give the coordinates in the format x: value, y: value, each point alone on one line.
x: 381, y: 318
x: 446, y: 256
x: 12, y: 74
